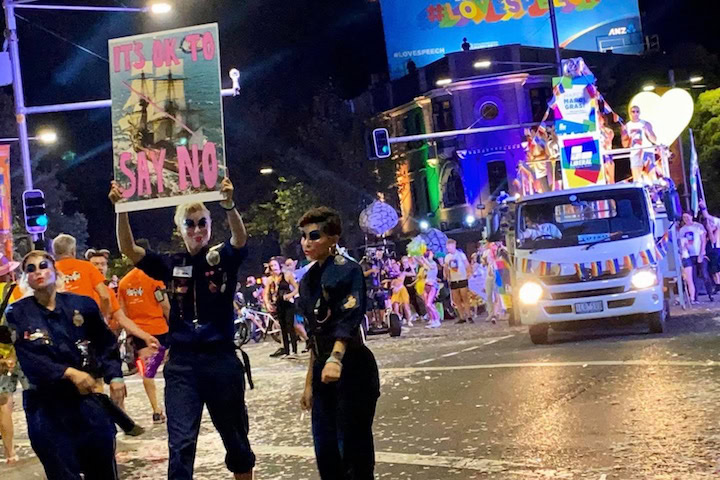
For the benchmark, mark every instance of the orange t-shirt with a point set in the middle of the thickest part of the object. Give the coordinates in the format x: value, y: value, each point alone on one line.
x: 137, y: 292
x: 80, y: 277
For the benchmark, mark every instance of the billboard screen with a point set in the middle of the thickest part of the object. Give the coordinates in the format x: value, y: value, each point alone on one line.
x: 425, y: 30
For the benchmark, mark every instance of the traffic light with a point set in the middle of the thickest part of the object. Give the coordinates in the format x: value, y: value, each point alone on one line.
x: 381, y: 140
x: 36, y: 219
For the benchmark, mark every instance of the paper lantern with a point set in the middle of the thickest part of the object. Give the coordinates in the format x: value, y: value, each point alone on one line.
x: 436, y: 241
x: 378, y: 218
x: 669, y: 115
x: 417, y: 247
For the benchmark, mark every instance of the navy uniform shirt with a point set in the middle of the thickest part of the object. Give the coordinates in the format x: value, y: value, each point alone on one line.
x: 47, y: 341
x: 332, y: 299
x: 201, y: 295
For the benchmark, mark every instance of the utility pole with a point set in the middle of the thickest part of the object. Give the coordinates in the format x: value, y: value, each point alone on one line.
x: 556, y: 42
x: 12, y: 38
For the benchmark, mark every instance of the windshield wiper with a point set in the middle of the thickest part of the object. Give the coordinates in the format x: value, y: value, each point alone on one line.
x: 607, y: 239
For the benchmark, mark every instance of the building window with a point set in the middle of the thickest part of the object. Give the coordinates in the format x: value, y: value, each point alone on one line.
x: 443, y: 116
x: 419, y: 195
x: 489, y: 111
x: 497, y: 177
x: 539, y: 98
x: 452, y: 186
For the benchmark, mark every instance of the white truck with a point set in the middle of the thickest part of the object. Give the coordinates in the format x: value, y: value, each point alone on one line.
x: 590, y: 253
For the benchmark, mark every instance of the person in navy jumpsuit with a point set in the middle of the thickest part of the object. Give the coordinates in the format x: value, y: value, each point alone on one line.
x: 342, y: 385
x: 203, y: 368
x: 64, y: 345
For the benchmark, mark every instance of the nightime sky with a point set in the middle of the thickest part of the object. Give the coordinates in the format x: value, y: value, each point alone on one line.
x: 284, y: 49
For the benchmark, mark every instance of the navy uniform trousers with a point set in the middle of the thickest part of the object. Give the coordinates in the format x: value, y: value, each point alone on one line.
x: 71, y: 435
x: 342, y: 418
x: 215, y: 379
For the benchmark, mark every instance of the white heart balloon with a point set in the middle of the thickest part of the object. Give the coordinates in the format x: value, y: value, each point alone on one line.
x: 669, y: 115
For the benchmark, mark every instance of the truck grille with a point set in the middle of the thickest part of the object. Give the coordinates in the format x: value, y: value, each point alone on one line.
x: 587, y: 293
x: 565, y: 279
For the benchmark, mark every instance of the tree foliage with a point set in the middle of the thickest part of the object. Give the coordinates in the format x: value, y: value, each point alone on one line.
x: 280, y: 214
x: 706, y: 127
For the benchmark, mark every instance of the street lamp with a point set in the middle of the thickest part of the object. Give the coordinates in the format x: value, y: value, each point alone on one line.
x: 48, y: 137
x: 696, y: 79
x: 481, y: 64
x: 266, y: 171
x: 649, y: 88
x: 160, y: 8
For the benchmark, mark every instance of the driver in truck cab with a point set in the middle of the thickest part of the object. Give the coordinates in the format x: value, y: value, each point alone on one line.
x: 539, y: 226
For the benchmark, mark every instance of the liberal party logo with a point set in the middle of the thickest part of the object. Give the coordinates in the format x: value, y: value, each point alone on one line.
x: 461, y: 13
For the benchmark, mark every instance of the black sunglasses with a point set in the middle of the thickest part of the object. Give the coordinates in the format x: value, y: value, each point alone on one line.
x: 190, y: 223
x: 313, y: 236
x: 44, y: 265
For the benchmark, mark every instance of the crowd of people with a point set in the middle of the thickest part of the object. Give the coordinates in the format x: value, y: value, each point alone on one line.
x: 63, y: 322
x: 699, y: 239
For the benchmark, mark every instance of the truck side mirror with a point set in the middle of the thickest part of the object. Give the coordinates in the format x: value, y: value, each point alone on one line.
x: 673, y: 208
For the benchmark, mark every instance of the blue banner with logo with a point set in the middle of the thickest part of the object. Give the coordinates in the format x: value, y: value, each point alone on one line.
x: 425, y: 30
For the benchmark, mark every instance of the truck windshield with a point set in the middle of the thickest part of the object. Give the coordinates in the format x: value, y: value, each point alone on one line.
x: 582, y: 219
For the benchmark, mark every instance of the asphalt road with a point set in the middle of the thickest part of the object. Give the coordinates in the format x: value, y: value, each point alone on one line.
x: 482, y: 402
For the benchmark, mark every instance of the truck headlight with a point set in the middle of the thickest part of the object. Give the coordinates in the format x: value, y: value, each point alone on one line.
x: 644, y: 278
x: 530, y: 293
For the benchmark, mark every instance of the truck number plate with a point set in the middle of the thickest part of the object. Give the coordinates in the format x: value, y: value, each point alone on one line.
x: 589, y: 307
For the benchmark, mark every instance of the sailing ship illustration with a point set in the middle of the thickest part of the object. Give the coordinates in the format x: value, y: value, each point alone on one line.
x: 157, y: 115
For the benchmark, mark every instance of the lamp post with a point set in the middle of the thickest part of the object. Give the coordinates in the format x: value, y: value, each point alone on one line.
x: 47, y: 137
x: 12, y: 38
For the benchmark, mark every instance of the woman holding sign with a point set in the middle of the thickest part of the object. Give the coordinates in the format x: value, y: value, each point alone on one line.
x: 203, y: 368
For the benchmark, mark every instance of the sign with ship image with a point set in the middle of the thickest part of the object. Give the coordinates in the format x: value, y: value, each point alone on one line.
x: 168, y: 135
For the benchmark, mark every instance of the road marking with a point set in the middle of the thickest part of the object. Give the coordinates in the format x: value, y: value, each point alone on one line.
x: 463, y: 463
x: 470, y: 349
x: 451, y: 354
x: 599, y: 363
x: 423, y: 362
x: 495, y: 340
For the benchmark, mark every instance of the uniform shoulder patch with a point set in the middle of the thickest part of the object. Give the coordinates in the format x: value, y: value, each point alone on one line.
x: 350, y: 302
x: 340, y: 260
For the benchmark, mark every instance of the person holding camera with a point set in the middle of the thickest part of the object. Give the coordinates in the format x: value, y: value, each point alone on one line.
x: 65, y: 348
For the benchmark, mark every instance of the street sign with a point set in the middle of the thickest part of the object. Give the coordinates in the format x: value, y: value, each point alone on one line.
x: 381, y: 141
x: 36, y: 219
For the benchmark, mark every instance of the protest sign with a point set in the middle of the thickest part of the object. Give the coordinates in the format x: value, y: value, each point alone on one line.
x: 168, y: 133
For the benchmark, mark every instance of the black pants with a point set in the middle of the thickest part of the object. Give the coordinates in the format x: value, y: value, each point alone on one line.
x: 416, y: 301
x: 71, y: 434
x: 286, y: 317
x: 700, y: 272
x: 342, y: 418
x: 193, y: 380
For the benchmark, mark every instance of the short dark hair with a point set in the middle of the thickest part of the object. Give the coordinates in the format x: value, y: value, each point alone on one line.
x: 325, y: 217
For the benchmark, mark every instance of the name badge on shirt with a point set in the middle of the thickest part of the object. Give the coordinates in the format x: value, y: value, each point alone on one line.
x: 183, y: 272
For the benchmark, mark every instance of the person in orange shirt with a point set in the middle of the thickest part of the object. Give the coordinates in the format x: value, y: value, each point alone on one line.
x: 80, y: 276
x: 144, y: 301
x: 117, y: 320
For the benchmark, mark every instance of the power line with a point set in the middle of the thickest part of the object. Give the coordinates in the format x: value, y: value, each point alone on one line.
x: 60, y: 37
